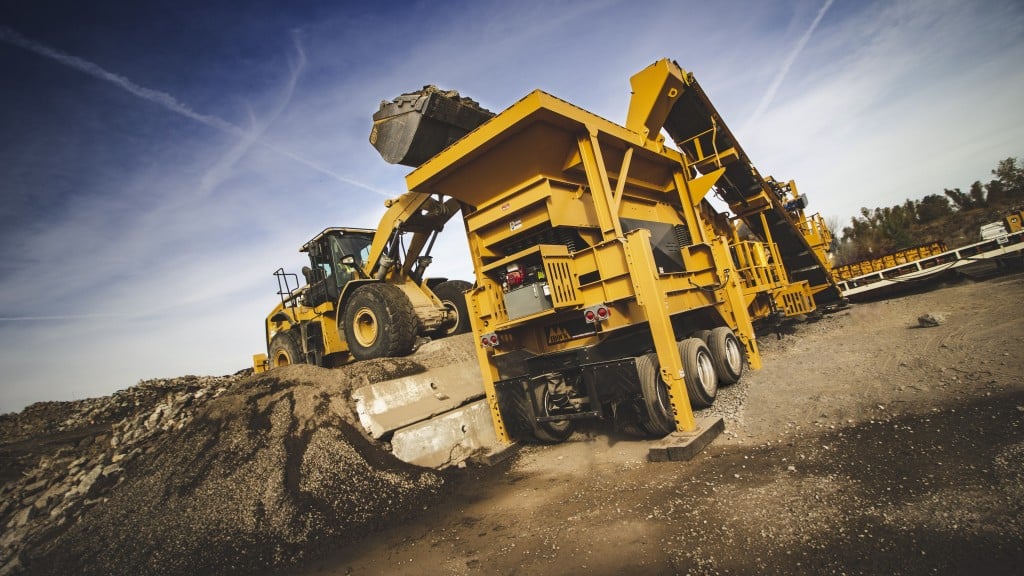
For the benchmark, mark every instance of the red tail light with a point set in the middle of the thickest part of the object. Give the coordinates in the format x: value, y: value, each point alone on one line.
x: 598, y: 313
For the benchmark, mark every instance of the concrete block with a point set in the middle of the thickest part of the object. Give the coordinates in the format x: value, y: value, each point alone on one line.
x: 449, y: 439
x: 387, y: 406
x: 683, y: 446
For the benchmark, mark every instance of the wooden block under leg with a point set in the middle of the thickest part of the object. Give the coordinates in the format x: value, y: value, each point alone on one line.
x: 683, y: 446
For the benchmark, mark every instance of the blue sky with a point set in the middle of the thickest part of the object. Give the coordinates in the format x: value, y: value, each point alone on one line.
x: 161, y: 160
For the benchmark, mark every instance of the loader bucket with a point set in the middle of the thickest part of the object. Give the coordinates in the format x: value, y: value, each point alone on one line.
x: 414, y: 127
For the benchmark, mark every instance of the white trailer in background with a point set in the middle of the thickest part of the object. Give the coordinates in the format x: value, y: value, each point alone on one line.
x: 1006, y: 243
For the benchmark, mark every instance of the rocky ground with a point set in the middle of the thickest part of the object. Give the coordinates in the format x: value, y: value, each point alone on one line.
x: 200, y: 475
x: 867, y: 444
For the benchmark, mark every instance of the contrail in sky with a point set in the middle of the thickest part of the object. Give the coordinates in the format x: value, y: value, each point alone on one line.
x: 62, y: 317
x: 769, y: 95
x: 163, y: 99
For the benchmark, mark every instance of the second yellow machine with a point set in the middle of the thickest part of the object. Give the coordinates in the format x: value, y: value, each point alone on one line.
x: 365, y: 294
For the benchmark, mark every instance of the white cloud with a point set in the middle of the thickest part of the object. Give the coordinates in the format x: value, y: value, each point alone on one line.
x: 780, y: 77
x: 897, y: 103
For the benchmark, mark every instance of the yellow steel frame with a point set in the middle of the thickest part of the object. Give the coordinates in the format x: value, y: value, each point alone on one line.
x: 1014, y: 222
x: 589, y: 191
x: 650, y: 296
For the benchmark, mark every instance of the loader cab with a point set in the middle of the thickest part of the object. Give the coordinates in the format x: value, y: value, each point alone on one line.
x: 327, y: 273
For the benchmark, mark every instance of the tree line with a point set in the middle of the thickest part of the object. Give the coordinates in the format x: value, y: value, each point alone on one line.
x: 953, y: 217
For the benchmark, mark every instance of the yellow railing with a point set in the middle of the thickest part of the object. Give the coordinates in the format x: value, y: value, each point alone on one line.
x: 754, y: 265
x: 814, y: 229
x: 702, y: 160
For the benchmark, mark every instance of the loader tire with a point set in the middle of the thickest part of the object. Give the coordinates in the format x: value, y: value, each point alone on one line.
x: 453, y: 295
x: 727, y: 353
x: 379, y: 322
x: 698, y: 372
x: 284, y: 351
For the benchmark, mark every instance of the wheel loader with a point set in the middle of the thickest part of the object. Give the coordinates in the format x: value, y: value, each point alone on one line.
x: 355, y: 308
x: 365, y: 293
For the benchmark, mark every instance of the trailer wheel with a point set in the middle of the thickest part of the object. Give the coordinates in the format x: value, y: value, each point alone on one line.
x: 549, y: 432
x: 453, y: 295
x: 699, y: 372
x: 703, y: 335
x: 661, y: 418
x: 379, y: 322
x: 284, y: 351
x: 521, y: 404
x: 727, y: 353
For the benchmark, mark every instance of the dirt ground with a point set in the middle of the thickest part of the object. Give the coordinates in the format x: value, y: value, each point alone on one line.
x: 866, y: 445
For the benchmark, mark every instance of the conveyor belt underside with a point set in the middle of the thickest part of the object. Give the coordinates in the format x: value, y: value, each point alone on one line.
x: 692, y: 115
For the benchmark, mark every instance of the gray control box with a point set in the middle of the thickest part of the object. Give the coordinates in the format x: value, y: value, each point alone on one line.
x: 527, y: 300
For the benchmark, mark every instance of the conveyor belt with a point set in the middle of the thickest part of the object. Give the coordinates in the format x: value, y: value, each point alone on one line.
x: 694, y: 121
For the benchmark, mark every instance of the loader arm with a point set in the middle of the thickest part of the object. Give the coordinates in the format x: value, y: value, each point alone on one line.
x: 420, y: 214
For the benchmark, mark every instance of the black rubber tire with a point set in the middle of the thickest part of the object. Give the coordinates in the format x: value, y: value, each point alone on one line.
x: 728, y: 355
x: 284, y: 351
x: 379, y: 322
x: 549, y: 432
x: 520, y: 404
x: 516, y: 409
x: 703, y: 335
x: 699, y: 373
x: 453, y: 295
x: 661, y: 417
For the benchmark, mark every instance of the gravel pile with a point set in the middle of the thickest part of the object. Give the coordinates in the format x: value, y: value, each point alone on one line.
x: 71, y: 455
x: 729, y: 404
x: 200, y: 475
